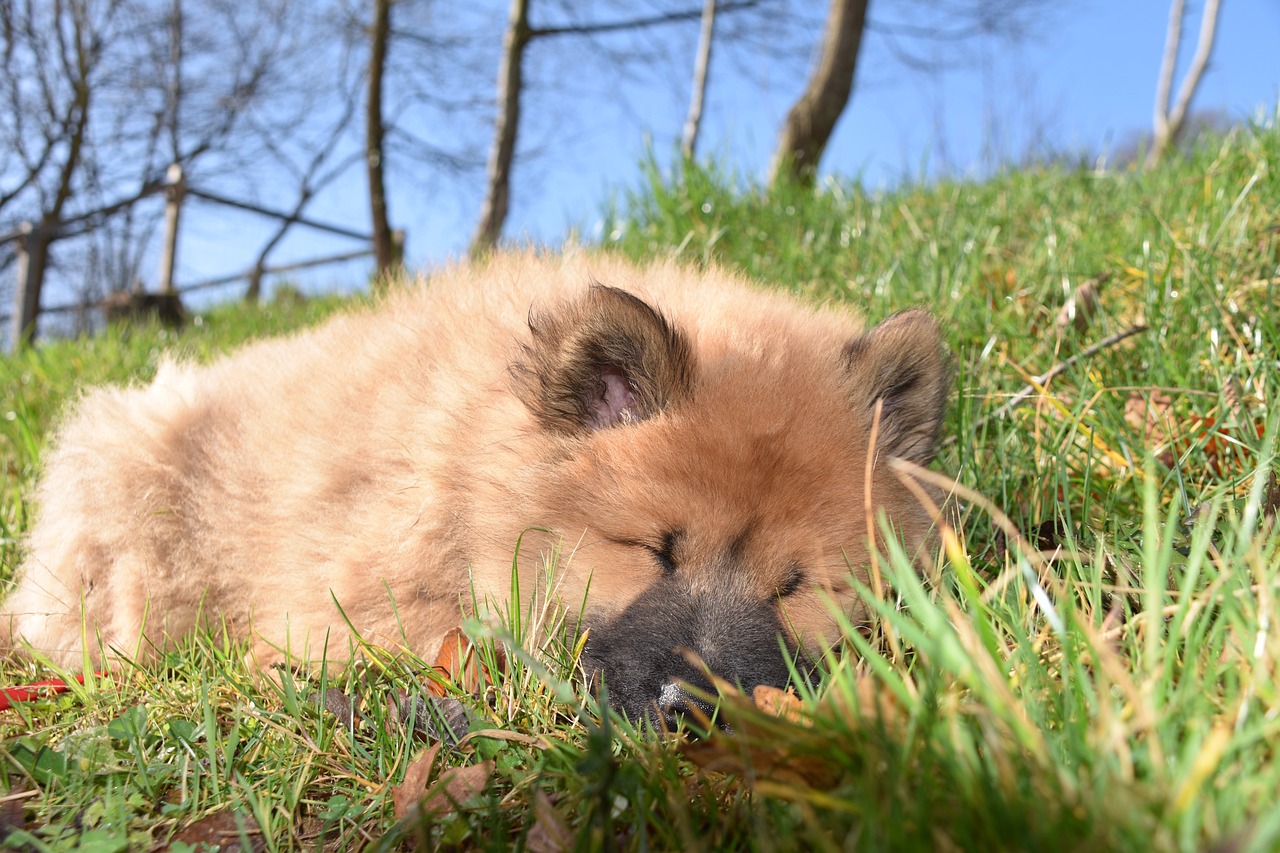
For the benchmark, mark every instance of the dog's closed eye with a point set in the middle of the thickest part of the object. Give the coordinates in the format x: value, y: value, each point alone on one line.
x: 665, y: 553
x: 792, y: 581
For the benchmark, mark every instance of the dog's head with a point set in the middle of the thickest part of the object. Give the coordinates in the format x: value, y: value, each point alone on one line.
x: 719, y: 477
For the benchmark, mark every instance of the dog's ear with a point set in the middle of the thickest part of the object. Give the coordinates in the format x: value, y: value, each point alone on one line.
x: 606, y: 359
x: 903, y: 364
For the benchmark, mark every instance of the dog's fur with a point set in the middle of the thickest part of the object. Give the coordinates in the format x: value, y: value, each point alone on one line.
x: 696, y: 446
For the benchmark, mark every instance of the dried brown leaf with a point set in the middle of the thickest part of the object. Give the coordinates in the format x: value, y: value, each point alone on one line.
x: 227, y: 831
x: 1237, y: 404
x: 781, y: 703
x: 459, y: 663
x: 1216, y: 441
x: 433, y: 717
x: 749, y: 759
x: 870, y: 703
x: 1079, y: 309
x: 1148, y: 413
x: 408, y: 793
x: 455, y: 786
x: 340, y: 705
x: 1271, y: 498
x: 774, y: 737
x: 12, y: 813
x: 771, y: 738
x: 393, y: 723
x: 550, y: 832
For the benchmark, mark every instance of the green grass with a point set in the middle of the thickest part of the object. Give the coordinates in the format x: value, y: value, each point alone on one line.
x: 1118, y: 691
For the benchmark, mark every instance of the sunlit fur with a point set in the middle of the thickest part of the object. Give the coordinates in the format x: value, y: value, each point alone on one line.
x: 397, y: 454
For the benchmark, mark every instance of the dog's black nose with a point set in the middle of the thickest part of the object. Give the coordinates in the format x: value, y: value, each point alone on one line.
x: 676, y: 704
x: 671, y: 704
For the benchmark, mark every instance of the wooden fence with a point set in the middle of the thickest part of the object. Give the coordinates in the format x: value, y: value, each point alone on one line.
x: 34, y: 239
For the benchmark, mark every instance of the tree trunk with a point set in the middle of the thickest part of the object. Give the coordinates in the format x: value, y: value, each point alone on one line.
x: 813, y: 118
x: 498, y: 188
x: 701, y: 67
x: 383, y: 245
x: 1170, y: 122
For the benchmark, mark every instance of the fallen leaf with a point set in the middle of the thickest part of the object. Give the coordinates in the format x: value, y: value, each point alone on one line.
x: 340, y: 705
x: 458, y: 662
x: 1271, y: 498
x: 409, y: 792
x: 1082, y: 305
x: 226, y: 831
x: 1148, y: 413
x: 1169, y: 437
x: 550, y: 832
x: 457, y: 785
x: 1218, y: 443
x: 999, y: 282
x: 780, y: 703
x: 454, y: 787
x: 433, y: 717
x: 776, y: 737
x: 752, y: 760
x: 762, y: 741
x: 12, y: 813
x: 1234, y: 399
x: 870, y: 702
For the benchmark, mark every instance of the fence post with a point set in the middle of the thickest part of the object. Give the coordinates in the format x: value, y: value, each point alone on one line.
x: 33, y: 252
x: 397, y: 247
x: 175, y: 188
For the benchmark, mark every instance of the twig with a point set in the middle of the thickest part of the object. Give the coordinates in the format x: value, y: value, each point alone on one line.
x: 1038, y: 382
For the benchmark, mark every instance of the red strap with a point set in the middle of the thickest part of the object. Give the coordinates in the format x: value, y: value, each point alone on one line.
x: 9, y: 696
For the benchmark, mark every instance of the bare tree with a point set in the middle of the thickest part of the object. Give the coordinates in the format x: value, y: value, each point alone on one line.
x: 99, y: 98
x: 812, y: 120
x: 948, y: 24
x: 1170, y: 122
x: 50, y: 61
x: 701, y: 70
x: 519, y: 35
x: 319, y: 171
x: 47, y: 128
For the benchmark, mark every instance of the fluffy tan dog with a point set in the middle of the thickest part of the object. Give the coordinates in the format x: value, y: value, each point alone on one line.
x: 697, y: 447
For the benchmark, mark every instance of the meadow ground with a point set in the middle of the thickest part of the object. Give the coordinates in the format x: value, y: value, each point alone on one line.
x: 1092, y: 663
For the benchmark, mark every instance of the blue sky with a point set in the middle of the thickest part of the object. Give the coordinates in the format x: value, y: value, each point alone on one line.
x: 1084, y: 82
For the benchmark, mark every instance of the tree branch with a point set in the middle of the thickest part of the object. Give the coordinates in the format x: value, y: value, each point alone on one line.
x: 1061, y: 367
x: 637, y: 23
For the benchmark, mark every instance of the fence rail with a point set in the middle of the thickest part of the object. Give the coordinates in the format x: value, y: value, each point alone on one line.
x: 220, y: 281
x: 35, y: 238
x: 276, y: 214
